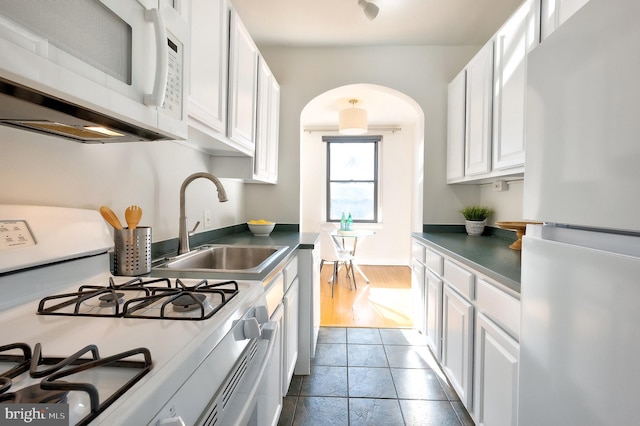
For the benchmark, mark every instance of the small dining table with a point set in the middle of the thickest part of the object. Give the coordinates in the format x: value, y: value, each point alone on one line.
x: 341, y: 237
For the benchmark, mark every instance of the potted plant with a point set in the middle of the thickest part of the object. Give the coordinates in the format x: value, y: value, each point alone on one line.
x: 475, y: 219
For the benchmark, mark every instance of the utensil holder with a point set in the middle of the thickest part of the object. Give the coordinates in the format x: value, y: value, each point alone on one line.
x: 132, y: 255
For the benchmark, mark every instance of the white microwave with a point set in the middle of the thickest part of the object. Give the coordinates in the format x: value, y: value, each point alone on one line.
x: 121, y: 64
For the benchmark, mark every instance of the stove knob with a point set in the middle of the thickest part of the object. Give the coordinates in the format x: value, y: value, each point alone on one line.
x: 251, y: 328
x: 262, y: 315
x: 173, y: 421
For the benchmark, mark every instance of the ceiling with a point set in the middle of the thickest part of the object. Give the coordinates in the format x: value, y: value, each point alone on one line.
x: 399, y: 22
x: 342, y: 23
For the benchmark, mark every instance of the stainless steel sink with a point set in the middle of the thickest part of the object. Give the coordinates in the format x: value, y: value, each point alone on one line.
x: 224, y: 258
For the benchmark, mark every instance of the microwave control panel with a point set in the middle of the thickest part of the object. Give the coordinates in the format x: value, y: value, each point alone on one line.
x: 175, y: 80
x: 14, y: 234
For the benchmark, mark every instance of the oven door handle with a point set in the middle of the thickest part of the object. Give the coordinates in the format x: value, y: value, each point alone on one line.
x: 266, y: 347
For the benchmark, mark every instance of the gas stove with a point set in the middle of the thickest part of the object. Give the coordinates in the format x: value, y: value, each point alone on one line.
x: 128, y: 350
x: 150, y: 298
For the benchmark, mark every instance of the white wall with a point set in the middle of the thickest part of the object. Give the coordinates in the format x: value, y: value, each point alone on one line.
x: 43, y: 170
x: 507, y: 205
x: 420, y: 72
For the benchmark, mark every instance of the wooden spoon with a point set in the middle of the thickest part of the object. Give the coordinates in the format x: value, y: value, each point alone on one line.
x: 132, y: 215
x: 110, y: 217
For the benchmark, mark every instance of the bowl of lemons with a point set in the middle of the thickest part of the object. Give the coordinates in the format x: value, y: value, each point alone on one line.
x: 261, y: 227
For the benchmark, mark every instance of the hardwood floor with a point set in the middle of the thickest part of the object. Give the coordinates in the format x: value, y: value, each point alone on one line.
x: 385, y: 302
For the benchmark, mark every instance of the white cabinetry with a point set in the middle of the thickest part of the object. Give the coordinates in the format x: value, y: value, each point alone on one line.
x: 418, y: 295
x: 243, y: 84
x: 512, y: 44
x: 262, y: 167
x: 433, y: 314
x: 556, y: 12
x: 234, y: 99
x: 210, y: 50
x: 456, y: 126
x: 477, y: 153
x: 309, y: 309
x: 427, y: 268
x: 291, y: 318
x: 494, y: 98
x: 472, y: 325
x: 457, y: 343
x: 496, y: 375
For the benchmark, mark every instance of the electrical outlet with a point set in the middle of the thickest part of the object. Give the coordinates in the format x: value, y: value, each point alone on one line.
x: 500, y: 185
x: 207, y: 219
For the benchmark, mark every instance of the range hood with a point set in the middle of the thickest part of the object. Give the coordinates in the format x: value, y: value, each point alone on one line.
x: 27, y: 109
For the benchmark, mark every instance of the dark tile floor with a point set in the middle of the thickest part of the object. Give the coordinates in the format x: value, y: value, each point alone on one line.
x: 371, y: 376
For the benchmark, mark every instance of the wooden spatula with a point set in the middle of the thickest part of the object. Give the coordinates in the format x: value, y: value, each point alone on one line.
x: 132, y: 215
x: 110, y: 217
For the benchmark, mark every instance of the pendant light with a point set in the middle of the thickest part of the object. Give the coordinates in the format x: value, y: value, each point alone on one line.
x: 370, y: 9
x: 352, y: 121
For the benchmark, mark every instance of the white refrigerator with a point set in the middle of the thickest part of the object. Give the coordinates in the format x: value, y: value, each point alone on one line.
x: 580, y: 329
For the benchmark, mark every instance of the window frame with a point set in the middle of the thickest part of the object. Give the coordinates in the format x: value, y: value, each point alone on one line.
x: 375, y: 140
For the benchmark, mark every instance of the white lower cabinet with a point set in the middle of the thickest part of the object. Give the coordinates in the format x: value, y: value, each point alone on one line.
x: 433, y: 313
x: 418, y: 295
x: 496, y: 375
x: 290, y: 344
x: 472, y: 326
x: 457, y: 343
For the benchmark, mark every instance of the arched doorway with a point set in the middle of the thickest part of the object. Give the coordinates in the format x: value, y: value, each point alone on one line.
x: 400, y: 122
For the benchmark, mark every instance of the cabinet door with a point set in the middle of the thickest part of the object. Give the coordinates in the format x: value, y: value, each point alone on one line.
x: 556, y: 12
x: 243, y: 82
x: 291, y: 303
x: 496, y: 375
x: 456, y: 127
x: 512, y: 44
x: 457, y: 344
x: 433, y: 317
x: 266, y: 155
x: 418, y: 294
x: 478, y: 112
x: 209, y: 51
x: 271, y: 406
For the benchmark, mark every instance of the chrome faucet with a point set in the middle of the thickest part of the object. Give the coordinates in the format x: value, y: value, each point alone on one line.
x: 183, y: 236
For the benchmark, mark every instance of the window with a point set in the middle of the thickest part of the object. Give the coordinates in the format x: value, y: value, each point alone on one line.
x: 352, y: 177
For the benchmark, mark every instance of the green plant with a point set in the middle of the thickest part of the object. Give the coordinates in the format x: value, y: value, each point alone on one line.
x: 476, y: 213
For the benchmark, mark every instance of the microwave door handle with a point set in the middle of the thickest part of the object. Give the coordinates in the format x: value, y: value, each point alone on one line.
x: 156, y: 98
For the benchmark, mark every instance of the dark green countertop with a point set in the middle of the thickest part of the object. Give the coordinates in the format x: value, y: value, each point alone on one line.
x: 489, y: 253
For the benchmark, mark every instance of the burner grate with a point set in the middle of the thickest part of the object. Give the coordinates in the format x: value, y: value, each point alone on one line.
x: 143, y: 298
x: 53, y: 390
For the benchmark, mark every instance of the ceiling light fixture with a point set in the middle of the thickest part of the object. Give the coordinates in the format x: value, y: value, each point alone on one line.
x: 352, y: 121
x: 370, y: 9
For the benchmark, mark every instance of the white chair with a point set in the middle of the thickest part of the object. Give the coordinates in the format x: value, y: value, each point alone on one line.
x: 331, y: 252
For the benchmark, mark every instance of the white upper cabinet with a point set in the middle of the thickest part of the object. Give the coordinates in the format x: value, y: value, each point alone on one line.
x: 243, y: 85
x: 477, y: 155
x: 494, y: 99
x: 209, y: 63
x: 266, y: 157
x: 456, y: 126
x: 262, y: 166
x: 512, y: 44
x: 556, y: 12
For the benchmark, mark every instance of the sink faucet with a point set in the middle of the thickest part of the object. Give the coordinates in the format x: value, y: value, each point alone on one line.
x: 183, y: 236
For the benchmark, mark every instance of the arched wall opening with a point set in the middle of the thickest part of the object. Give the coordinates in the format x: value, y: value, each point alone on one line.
x: 401, y: 166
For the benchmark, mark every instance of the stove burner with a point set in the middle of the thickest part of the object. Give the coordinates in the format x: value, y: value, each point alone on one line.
x: 53, y: 390
x: 34, y: 394
x: 111, y: 299
x: 188, y: 302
